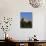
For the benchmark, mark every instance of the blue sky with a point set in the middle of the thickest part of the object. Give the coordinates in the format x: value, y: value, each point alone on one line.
x: 26, y: 15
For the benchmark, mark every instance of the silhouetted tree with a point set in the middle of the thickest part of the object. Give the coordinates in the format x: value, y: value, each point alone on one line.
x: 25, y: 24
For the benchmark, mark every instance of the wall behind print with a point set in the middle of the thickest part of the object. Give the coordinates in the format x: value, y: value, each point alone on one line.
x: 12, y: 8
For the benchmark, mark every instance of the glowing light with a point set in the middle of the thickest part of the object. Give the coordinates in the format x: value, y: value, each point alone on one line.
x: 7, y: 35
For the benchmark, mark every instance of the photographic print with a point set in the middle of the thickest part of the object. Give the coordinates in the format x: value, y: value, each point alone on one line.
x: 26, y: 20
